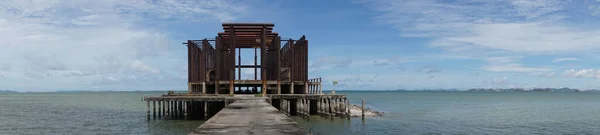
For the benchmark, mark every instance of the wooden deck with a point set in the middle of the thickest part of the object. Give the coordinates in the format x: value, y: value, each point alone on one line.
x: 248, y: 116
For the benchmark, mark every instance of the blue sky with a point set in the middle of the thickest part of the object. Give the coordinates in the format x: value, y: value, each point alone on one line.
x: 365, y: 44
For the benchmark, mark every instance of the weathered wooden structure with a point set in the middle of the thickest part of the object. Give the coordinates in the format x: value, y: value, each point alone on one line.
x: 283, y: 79
x: 283, y: 69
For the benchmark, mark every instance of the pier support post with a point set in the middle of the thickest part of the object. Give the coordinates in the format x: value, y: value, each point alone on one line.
x: 301, y: 107
x: 185, y: 109
x: 363, y: 107
x: 313, y: 107
x: 348, y: 105
x: 329, y: 107
x: 308, y: 109
x: 180, y: 108
x: 318, y: 106
x: 203, y: 110
x: 167, y: 108
x: 276, y: 103
x: 342, y: 110
x: 154, y: 109
x: 335, y: 106
x: 148, y: 102
x: 293, y: 107
x: 159, y: 109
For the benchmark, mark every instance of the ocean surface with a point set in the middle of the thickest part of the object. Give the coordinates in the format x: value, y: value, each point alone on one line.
x: 477, y: 113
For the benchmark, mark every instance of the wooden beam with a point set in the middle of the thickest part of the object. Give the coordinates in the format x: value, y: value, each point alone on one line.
x: 248, y: 24
x: 247, y: 29
x: 247, y: 66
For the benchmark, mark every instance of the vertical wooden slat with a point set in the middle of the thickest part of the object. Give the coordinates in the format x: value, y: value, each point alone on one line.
x: 218, y: 57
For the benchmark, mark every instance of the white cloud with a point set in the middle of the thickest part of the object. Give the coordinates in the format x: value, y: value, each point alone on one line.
x: 502, y: 80
x: 583, y: 73
x: 508, y: 64
x: 72, y: 43
x: 512, y: 25
x: 430, y: 69
x: 565, y: 59
x: 330, y: 62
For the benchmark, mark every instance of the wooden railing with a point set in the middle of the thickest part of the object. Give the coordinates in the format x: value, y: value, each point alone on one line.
x: 314, y: 86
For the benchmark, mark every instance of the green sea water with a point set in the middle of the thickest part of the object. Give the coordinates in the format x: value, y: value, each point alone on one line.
x: 406, y: 113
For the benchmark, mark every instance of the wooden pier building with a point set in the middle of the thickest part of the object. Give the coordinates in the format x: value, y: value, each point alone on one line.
x: 280, y: 77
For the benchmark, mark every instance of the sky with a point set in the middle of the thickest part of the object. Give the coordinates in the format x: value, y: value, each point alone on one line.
x: 48, y: 45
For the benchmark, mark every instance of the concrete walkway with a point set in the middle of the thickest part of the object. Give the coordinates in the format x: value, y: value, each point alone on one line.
x: 250, y: 115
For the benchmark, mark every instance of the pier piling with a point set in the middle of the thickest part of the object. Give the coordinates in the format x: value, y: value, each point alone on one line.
x: 148, y: 102
x: 362, y: 107
x: 159, y: 109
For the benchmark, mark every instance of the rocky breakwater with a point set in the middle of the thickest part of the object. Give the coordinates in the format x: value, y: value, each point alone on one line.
x: 356, y: 111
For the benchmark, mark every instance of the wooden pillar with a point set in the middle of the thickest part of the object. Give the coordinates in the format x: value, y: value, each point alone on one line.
x: 240, y: 63
x: 219, y: 58
x: 363, y: 107
x: 263, y: 51
x: 230, y: 86
x: 306, y: 88
x: 264, y: 87
x: 232, y: 52
x: 190, y: 89
x: 203, y: 87
x: 278, y: 87
x: 255, y: 65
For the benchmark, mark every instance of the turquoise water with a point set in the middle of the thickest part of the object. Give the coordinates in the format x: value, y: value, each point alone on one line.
x: 406, y: 113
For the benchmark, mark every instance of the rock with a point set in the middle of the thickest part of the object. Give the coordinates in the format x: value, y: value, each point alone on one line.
x: 355, y: 111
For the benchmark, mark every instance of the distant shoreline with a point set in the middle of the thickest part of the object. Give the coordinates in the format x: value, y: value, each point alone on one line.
x: 325, y: 91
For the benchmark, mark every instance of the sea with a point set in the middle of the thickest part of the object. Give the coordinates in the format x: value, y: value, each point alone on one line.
x: 406, y: 112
